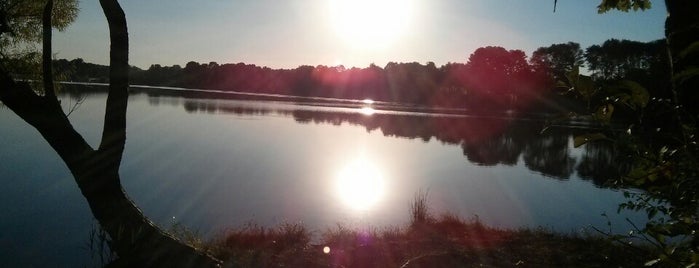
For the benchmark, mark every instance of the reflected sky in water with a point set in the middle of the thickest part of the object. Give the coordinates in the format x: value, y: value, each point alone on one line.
x: 213, y: 164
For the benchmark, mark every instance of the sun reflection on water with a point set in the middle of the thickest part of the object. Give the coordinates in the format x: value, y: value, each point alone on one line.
x: 367, y: 110
x: 360, y: 184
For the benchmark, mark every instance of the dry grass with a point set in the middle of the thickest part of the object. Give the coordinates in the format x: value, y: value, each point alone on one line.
x: 444, y: 241
x: 419, y: 211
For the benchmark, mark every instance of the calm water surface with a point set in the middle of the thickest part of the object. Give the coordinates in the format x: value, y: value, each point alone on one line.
x: 211, y: 164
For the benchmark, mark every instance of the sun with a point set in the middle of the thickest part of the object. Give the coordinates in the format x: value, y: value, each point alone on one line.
x: 370, y: 23
x: 360, y: 185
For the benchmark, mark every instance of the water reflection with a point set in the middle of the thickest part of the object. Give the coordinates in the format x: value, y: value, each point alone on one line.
x: 360, y: 184
x: 367, y: 111
x: 274, y: 169
x: 485, y: 141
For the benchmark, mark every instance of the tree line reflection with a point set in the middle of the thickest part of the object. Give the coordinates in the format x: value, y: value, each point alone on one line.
x: 485, y: 141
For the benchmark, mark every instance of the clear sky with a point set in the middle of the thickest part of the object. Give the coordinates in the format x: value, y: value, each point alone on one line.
x: 289, y: 33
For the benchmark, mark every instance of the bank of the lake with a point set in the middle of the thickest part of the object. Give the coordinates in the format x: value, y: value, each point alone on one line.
x: 446, y: 240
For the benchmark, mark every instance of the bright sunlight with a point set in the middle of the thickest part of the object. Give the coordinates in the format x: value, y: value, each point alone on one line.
x: 360, y: 184
x: 371, y: 24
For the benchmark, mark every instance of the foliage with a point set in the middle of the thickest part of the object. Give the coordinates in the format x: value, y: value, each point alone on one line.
x: 615, y: 59
x: 623, y: 5
x: 557, y: 59
x: 664, y: 166
x: 450, y: 85
x: 20, y: 20
x: 500, y: 75
x: 462, y: 85
x: 21, y: 30
x: 257, y: 246
x: 661, y: 142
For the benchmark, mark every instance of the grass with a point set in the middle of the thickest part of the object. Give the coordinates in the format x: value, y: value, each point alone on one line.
x: 428, y: 241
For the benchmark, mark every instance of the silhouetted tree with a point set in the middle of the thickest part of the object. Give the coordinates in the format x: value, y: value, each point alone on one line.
x: 495, y: 73
x: 136, y: 240
x: 616, y: 59
x: 558, y: 59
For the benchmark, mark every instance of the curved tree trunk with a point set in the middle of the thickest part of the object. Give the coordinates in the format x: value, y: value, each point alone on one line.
x: 135, y: 239
x: 681, y: 31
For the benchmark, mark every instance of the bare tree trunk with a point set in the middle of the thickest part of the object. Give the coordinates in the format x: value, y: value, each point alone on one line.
x: 135, y: 239
x: 46, y: 57
x: 681, y: 31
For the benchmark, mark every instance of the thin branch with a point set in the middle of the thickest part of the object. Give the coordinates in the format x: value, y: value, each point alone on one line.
x: 619, y: 240
x: 50, y: 92
x: 429, y: 254
x: 653, y: 242
x: 75, y: 106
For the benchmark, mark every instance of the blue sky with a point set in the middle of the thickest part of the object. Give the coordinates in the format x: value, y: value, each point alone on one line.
x: 289, y: 33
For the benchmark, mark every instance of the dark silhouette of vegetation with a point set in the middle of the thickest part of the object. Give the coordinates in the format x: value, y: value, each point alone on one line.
x: 136, y: 240
x: 419, y: 211
x: 493, y: 79
x: 556, y: 60
x: 623, y: 5
x: 428, y: 241
x: 21, y: 27
x: 660, y: 141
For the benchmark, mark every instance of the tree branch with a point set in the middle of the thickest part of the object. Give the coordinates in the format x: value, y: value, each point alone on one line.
x: 114, y: 132
x: 46, y: 116
x: 137, y: 241
x: 50, y: 92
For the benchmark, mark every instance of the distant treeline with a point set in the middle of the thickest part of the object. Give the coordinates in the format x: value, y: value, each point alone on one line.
x: 493, y: 77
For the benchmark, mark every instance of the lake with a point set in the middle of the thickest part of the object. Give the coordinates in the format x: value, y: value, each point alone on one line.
x: 211, y: 164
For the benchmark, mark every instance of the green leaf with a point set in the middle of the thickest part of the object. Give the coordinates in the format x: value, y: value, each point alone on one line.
x: 583, y: 139
x: 651, y: 212
x: 623, y: 5
x: 690, y: 50
x: 585, y: 86
x: 686, y: 74
x: 695, y: 257
x: 637, y: 173
x: 573, y: 75
x: 651, y: 262
x: 653, y: 177
x: 639, y: 96
x: 604, y: 113
x: 561, y: 85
